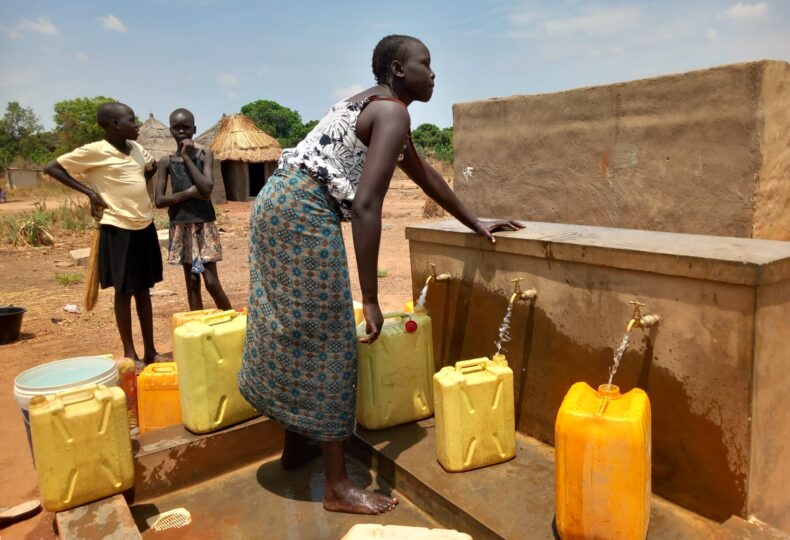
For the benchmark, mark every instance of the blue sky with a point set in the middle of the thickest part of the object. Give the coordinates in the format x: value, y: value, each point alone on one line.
x: 214, y: 56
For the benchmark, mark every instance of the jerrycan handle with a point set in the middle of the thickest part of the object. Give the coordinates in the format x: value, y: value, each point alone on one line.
x: 396, y: 315
x: 162, y: 369
x: 471, y: 366
x: 217, y: 318
x: 78, y: 394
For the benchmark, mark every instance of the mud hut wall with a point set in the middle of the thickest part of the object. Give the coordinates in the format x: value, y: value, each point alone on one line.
x: 236, y: 177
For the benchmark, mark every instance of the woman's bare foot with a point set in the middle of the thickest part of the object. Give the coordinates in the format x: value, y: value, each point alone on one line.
x: 152, y: 357
x: 298, y: 450
x: 346, y: 496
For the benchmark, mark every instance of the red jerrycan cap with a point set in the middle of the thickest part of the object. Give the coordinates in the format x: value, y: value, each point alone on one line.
x: 411, y: 326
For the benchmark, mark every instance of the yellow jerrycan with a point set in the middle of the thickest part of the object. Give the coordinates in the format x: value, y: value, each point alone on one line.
x: 475, y: 418
x: 359, y: 314
x: 394, y: 374
x: 208, y: 353
x: 81, y: 444
x: 602, y: 459
x: 158, y: 404
x: 183, y: 317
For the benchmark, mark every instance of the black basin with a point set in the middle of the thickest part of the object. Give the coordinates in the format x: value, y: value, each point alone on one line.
x: 10, y: 323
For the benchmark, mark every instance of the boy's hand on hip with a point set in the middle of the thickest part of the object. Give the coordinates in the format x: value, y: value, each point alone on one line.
x: 97, y: 205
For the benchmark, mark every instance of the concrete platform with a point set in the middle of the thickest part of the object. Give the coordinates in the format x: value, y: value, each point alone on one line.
x: 264, y: 501
x: 511, y: 500
x: 232, y: 485
x: 714, y: 366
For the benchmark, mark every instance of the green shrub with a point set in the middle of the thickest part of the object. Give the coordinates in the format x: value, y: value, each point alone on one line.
x: 68, y: 279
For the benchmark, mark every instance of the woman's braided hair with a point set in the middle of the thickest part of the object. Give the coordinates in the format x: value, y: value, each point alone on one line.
x: 387, y: 50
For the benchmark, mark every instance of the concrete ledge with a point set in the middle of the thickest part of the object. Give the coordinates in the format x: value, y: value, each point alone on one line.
x: 107, y: 519
x: 510, y: 500
x: 172, y: 458
x: 741, y: 261
x: 740, y: 529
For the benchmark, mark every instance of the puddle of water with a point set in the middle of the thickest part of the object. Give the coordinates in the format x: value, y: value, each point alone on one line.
x: 618, y: 355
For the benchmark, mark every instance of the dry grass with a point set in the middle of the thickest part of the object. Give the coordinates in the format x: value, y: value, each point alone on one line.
x: 41, y: 226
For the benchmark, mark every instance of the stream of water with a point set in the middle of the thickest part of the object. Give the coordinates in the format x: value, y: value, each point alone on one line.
x: 504, y: 329
x: 618, y: 355
x: 423, y: 296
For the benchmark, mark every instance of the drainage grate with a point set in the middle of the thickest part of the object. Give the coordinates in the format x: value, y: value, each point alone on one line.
x: 173, y: 519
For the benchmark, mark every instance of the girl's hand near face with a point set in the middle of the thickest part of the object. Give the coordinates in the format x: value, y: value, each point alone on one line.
x: 186, y: 147
x: 486, y: 227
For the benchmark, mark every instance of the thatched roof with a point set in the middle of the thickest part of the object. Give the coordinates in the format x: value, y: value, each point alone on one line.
x: 155, y: 137
x: 239, y: 139
x: 208, y: 136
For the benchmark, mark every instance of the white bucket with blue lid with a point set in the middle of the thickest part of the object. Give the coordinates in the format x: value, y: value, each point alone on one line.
x: 53, y: 377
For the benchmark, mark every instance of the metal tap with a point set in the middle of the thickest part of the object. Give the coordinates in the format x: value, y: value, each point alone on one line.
x: 641, y: 321
x: 434, y: 277
x: 518, y: 294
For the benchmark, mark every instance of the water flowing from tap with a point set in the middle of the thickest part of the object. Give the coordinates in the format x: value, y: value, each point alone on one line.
x: 504, y: 329
x: 423, y: 296
x: 618, y: 355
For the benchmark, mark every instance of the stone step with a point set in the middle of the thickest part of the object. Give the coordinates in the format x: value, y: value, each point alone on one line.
x: 512, y: 500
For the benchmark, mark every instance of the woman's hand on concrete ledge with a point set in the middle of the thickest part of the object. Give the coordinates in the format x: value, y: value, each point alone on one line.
x: 487, y: 227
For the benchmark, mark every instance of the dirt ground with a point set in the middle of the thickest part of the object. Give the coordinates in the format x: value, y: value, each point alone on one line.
x: 50, y: 333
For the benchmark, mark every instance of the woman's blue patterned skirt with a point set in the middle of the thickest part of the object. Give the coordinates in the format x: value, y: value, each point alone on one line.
x: 300, y: 353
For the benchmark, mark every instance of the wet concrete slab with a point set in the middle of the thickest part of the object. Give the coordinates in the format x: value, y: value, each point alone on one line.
x: 511, y: 500
x: 264, y: 501
x: 173, y: 458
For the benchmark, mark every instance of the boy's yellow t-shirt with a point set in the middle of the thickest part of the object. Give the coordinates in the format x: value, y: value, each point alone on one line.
x: 118, y: 178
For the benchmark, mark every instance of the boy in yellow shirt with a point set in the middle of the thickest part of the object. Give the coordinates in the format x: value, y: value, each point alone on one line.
x: 118, y: 170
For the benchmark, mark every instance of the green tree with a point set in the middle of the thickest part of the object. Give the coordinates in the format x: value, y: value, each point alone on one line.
x: 75, y: 122
x: 434, y: 141
x: 21, y: 136
x: 280, y: 122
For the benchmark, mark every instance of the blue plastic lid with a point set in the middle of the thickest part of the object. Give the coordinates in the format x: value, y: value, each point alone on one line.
x: 63, y: 374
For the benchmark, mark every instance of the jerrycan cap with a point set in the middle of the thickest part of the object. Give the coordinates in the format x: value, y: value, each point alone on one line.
x: 411, y: 326
x: 611, y: 391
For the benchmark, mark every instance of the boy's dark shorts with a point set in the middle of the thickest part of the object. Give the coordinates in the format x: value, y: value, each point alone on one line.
x: 129, y: 260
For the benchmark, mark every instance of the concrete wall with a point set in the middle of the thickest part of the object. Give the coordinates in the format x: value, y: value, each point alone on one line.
x: 769, y: 483
x: 709, y: 367
x: 705, y: 152
x: 24, y: 178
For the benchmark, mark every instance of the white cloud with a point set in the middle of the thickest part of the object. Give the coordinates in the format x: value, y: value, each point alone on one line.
x: 17, y: 78
x: 346, y: 91
x: 111, y: 22
x: 42, y: 25
x: 712, y: 35
x: 747, y: 12
x: 82, y: 56
x: 599, y: 22
x: 228, y: 83
x: 590, y: 22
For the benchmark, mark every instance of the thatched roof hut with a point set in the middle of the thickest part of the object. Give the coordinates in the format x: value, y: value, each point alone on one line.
x: 239, y: 139
x: 155, y: 137
x: 208, y: 136
x: 248, y: 156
